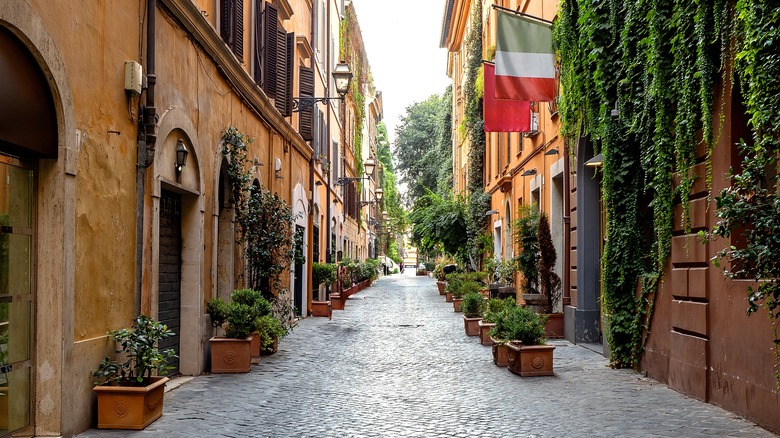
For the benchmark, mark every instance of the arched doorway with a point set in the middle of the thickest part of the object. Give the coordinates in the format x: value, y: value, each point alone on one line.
x: 28, y: 132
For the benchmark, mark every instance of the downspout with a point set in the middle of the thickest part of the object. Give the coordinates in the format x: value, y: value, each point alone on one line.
x: 145, y: 148
x: 328, y: 254
x: 566, y: 226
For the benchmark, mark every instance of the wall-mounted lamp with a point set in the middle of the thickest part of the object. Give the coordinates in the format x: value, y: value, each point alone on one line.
x: 342, y: 76
x: 615, y: 111
x: 596, y: 161
x: 181, y: 155
x: 278, y: 168
x: 529, y: 172
x: 379, y: 194
x: 491, y: 212
x: 318, y: 183
x: 552, y: 152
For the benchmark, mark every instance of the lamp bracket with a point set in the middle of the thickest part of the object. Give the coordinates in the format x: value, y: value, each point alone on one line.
x: 302, y: 103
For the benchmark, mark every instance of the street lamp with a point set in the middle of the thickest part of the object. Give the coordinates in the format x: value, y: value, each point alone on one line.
x: 181, y: 155
x: 342, y: 76
x: 379, y: 194
x: 368, y: 170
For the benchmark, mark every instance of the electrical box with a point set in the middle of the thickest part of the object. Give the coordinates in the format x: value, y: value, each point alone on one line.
x: 133, y: 77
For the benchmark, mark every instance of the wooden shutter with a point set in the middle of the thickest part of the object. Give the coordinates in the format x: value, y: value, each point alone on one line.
x: 238, y: 29
x: 225, y: 20
x: 258, y: 55
x: 288, y: 92
x: 270, y: 49
x: 306, y: 118
x: 281, y: 71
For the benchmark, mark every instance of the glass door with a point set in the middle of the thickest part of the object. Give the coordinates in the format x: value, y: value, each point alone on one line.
x: 16, y: 292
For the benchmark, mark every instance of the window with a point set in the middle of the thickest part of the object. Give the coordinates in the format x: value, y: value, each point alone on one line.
x: 278, y: 48
x: 231, y: 25
x: 316, y: 244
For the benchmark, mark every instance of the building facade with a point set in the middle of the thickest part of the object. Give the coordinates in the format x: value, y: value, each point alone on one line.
x: 101, y: 221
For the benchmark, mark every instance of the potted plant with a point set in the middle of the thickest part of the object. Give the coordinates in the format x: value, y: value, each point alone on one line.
x: 466, y: 287
x: 322, y: 274
x: 441, y: 283
x: 271, y: 330
x: 472, y: 307
x: 238, y: 318
x: 527, y: 354
x: 129, y: 394
x: 494, y: 309
x: 526, y: 236
x: 549, y: 281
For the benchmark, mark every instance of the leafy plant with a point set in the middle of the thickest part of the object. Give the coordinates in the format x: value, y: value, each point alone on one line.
x: 504, y: 271
x: 497, y: 308
x: 270, y: 330
x: 238, y: 317
x: 526, y: 234
x: 323, y: 273
x: 520, y: 324
x: 473, y: 305
x: 142, y: 358
x: 549, y: 281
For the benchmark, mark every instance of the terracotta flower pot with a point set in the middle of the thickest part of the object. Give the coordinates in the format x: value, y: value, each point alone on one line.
x: 554, y: 326
x: 272, y: 349
x: 130, y: 407
x: 456, y: 302
x: 337, y: 302
x: 484, y: 332
x: 471, y: 325
x: 254, y: 347
x: 448, y: 297
x: 441, y: 285
x: 321, y: 308
x: 499, y: 353
x: 231, y: 355
x: 530, y: 360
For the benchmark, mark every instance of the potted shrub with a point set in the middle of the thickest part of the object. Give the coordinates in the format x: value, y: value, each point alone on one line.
x: 441, y: 283
x: 472, y: 307
x: 238, y: 318
x: 494, y: 309
x: 129, y: 395
x: 453, y: 283
x: 549, y: 281
x: 526, y: 355
x: 271, y: 330
x: 322, y: 274
x: 466, y: 287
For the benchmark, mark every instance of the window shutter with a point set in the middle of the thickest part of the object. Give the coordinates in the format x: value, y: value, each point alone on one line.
x: 316, y: 132
x: 306, y: 117
x: 225, y: 20
x: 238, y: 29
x: 258, y: 58
x: 280, y: 93
x: 270, y: 48
x: 290, y: 74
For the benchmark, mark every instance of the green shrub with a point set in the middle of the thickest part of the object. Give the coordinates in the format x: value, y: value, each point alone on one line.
x: 497, y: 308
x: 323, y: 273
x: 473, y: 305
x: 270, y: 330
x: 520, y: 324
x: 239, y: 316
x: 467, y: 287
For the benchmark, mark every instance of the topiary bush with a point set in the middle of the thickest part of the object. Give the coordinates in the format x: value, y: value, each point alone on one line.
x: 473, y: 305
x: 520, y: 324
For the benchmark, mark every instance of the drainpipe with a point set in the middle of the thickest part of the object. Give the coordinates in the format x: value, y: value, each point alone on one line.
x: 566, y: 226
x: 145, y: 150
x: 328, y: 255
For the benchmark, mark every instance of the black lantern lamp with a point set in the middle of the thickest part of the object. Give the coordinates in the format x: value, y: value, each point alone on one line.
x: 181, y: 155
x: 342, y: 76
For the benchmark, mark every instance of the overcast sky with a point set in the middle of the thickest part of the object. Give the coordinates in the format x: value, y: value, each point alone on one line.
x: 402, y: 42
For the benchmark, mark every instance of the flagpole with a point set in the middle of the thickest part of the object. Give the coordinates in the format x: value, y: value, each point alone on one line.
x: 523, y: 14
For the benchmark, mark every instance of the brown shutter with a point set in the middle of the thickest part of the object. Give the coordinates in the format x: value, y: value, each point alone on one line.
x: 290, y: 74
x: 270, y: 49
x: 281, y: 71
x: 225, y: 20
x: 306, y: 116
x: 258, y: 58
x: 238, y: 29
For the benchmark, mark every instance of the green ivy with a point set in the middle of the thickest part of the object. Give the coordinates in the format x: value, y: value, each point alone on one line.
x: 656, y: 61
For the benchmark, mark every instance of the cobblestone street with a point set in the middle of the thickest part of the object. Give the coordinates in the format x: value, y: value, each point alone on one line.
x: 397, y: 363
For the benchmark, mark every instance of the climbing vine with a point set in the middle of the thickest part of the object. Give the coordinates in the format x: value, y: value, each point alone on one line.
x: 478, y: 201
x: 638, y: 81
x: 351, y: 51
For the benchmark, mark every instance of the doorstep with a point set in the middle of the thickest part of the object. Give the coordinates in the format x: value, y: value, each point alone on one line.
x: 176, y: 382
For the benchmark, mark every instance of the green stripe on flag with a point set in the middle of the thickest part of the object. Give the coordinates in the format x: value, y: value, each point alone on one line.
x: 518, y: 34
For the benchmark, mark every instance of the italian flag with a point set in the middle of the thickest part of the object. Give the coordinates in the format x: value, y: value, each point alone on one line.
x: 525, y: 60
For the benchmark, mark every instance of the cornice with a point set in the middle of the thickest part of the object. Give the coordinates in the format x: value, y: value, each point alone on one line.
x: 199, y: 29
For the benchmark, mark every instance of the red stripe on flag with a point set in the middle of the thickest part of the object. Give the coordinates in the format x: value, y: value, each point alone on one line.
x: 533, y: 89
x: 503, y: 115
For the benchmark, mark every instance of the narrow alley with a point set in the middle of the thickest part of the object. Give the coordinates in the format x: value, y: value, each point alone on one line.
x: 397, y: 363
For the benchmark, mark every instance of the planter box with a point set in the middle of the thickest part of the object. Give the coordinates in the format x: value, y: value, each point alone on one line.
x: 272, y: 349
x: 499, y: 353
x: 531, y: 360
x: 254, y: 347
x: 456, y: 302
x: 554, y: 326
x: 484, y: 332
x: 337, y: 302
x: 471, y: 325
x: 321, y: 308
x: 448, y: 297
x: 230, y: 355
x: 130, y: 407
x: 442, y: 286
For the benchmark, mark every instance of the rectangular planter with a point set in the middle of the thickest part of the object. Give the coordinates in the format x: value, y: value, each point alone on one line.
x: 531, y: 360
x: 456, y: 302
x: 321, y: 308
x: 499, y: 353
x: 441, y: 285
x: 231, y: 355
x: 130, y: 407
x: 254, y: 347
x: 484, y: 333
x: 554, y: 326
x: 471, y: 325
x: 337, y: 301
x: 448, y: 297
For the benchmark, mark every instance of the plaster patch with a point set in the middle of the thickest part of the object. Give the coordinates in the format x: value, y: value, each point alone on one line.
x: 46, y: 405
x: 45, y: 372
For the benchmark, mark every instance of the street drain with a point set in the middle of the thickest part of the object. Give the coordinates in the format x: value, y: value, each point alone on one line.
x: 410, y: 325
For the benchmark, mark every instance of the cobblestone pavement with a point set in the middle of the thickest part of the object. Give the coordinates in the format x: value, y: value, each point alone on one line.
x: 397, y: 363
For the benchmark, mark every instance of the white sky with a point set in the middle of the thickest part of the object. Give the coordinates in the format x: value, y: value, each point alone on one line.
x: 402, y: 42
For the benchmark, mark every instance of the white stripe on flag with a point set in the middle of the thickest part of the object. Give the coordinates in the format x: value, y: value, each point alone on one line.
x: 525, y: 65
